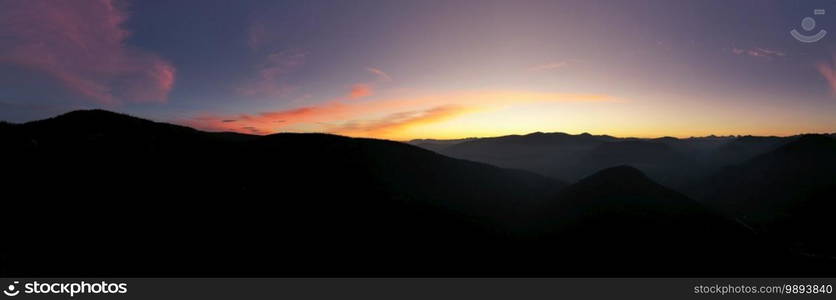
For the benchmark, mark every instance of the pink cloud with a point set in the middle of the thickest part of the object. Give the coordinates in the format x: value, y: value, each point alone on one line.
x: 82, y: 44
x: 363, y: 118
x: 400, y: 120
x: 269, y: 121
x: 270, y: 80
x: 828, y: 71
x: 359, y: 91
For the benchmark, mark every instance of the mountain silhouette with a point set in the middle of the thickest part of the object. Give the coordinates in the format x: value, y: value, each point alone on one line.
x: 551, y: 154
x: 675, y: 162
x: 438, y: 145
x: 98, y: 193
x: 620, y: 222
x: 786, y: 193
x: 744, y: 148
x: 655, y: 158
x: 160, y: 199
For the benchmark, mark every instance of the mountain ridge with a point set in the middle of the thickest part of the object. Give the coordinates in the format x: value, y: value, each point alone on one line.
x: 174, y: 201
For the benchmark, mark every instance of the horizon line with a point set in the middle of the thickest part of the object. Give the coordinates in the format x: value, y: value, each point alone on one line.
x: 713, y: 135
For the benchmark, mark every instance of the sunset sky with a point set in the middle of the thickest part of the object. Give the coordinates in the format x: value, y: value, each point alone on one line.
x: 426, y: 69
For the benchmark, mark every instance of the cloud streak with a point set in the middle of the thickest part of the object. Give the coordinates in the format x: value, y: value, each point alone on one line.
x: 381, y: 76
x: 396, y: 121
x: 828, y: 71
x: 379, y: 118
x: 82, y: 44
x: 548, y: 66
x: 759, y: 52
x: 270, y: 80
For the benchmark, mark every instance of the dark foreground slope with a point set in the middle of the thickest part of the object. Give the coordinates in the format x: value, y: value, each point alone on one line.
x: 788, y: 194
x: 620, y: 220
x: 93, y: 193
x: 102, y: 193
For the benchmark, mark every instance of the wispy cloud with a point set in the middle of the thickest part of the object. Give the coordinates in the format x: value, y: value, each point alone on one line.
x: 828, y: 71
x: 360, y: 90
x: 548, y: 66
x: 82, y: 45
x: 257, y: 35
x: 381, y: 76
x: 380, y: 118
x: 391, y: 123
x: 270, y: 80
x: 758, y: 52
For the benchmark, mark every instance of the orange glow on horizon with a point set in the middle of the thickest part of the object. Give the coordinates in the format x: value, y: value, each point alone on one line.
x: 396, y: 118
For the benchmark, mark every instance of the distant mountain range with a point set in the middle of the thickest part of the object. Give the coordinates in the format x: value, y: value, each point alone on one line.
x: 671, y: 161
x: 104, y: 194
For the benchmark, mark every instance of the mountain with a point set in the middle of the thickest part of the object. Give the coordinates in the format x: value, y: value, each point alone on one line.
x: 550, y: 154
x: 786, y: 193
x: 744, y: 148
x: 672, y: 161
x: 695, y: 146
x: 122, y: 195
x: 438, y: 145
x: 95, y: 193
x: 620, y: 222
x: 655, y: 158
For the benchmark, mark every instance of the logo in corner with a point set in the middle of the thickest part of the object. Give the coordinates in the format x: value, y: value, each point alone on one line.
x: 808, y: 24
x: 12, y: 290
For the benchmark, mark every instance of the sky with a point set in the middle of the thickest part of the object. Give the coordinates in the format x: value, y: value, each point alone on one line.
x: 426, y: 69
